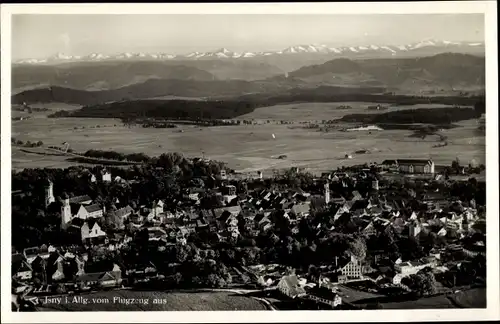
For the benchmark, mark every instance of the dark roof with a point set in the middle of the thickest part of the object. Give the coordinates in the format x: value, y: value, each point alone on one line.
x: 31, y: 251
x: 323, y: 292
x: 53, y: 257
x: 94, y: 276
x: 123, y: 211
x: 413, y: 161
x: 79, y: 199
x: 224, y: 216
x: 359, y: 204
x: 74, y: 208
x: 38, y: 261
x: 389, y: 162
x: 19, y: 263
x: 90, y: 222
x: 78, y: 222
x: 92, y: 208
x: 201, y: 222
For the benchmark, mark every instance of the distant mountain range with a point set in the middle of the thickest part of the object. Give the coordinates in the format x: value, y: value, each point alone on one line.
x: 449, y: 72
x: 423, y: 48
x: 108, y: 75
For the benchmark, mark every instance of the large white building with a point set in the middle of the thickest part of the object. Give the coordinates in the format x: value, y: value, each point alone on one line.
x: 289, y: 286
x: 416, y: 166
x: 84, y: 212
x: 353, y: 269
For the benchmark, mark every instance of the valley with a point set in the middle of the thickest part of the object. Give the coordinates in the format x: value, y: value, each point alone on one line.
x: 249, y: 148
x: 276, y: 105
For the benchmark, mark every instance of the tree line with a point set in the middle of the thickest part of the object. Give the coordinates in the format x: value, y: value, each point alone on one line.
x: 412, y: 116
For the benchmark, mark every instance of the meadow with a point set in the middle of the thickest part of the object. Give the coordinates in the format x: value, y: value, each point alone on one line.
x: 318, y: 111
x: 249, y: 148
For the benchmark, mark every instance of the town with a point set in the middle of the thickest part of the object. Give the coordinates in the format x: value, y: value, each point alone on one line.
x: 359, y: 237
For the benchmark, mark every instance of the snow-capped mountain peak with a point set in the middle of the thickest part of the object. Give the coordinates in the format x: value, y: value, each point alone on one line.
x: 223, y: 51
x: 430, y: 46
x: 424, y: 43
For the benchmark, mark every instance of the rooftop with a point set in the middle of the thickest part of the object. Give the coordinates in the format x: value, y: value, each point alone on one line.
x: 92, y: 208
x: 79, y: 199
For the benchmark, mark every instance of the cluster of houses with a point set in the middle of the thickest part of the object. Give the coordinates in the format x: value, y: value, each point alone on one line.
x: 51, y: 266
x: 258, y: 212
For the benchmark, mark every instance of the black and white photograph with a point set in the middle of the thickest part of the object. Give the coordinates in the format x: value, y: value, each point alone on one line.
x: 246, y: 159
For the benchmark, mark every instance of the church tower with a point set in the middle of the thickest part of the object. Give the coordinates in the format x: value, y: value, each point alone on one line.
x: 49, y: 193
x: 327, y: 193
x: 65, y: 213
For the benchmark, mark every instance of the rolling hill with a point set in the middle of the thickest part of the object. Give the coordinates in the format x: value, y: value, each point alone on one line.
x: 152, y: 88
x: 436, y: 74
x: 116, y: 74
x: 448, y: 70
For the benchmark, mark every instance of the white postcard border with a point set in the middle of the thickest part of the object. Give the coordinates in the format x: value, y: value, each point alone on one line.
x: 487, y: 7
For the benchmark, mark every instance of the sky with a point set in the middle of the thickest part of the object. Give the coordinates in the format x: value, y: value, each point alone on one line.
x: 41, y: 36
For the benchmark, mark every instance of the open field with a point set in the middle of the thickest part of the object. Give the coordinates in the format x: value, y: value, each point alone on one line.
x: 351, y: 295
x: 323, y: 111
x: 473, y: 298
x: 247, y: 147
x: 165, y: 301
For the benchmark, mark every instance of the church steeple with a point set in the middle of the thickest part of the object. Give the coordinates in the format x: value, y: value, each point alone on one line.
x: 49, y: 192
x: 327, y: 192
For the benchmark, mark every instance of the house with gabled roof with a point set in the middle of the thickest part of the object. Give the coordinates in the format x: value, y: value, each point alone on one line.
x: 105, y: 279
x: 91, y: 232
x: 355, y: 195
x: 106, y: 176
x: 289, y: 286
x: 70, y: 211
x: 325, y: 296
x: 343, y: 209
x: 21, y: 269
x: 301, y: 210
x: 353, y: 269
x: 369, y: 229
x: 31, y: 253
x: 416, y: 166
